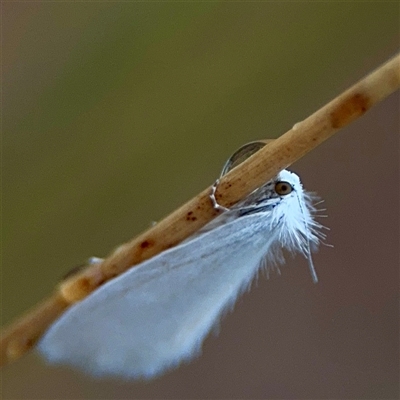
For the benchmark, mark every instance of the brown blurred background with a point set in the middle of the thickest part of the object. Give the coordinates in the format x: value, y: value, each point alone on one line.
x: 116, y: 113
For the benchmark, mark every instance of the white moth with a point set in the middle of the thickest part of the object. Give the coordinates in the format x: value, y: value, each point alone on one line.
x: 156, y: 315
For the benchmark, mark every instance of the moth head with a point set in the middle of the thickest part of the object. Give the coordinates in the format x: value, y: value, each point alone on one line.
x: 298, y: 228
x: 283, y: 188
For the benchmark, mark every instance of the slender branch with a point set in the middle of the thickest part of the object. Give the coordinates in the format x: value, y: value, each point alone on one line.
x: 18, y: 338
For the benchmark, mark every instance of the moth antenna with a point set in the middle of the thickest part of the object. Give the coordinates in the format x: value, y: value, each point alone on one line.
x: 308, y: 247
x: 311, y: 263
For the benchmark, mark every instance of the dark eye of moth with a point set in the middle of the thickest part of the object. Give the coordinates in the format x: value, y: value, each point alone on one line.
x: 283, y: 188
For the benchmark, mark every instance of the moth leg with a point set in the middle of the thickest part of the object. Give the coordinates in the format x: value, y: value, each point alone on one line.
x: 214, y: 200
x: 95, y: 260
x: 80, y: 267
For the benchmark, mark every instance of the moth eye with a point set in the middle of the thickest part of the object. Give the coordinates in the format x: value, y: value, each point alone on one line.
x: 283, y: 188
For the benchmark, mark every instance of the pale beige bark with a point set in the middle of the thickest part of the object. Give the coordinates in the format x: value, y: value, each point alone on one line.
x: 20, y: 336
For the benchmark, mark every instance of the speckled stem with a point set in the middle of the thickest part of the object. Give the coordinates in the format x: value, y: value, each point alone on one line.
x: 19, y: 337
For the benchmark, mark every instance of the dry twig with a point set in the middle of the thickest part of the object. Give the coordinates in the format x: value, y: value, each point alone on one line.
x: 18, y: 338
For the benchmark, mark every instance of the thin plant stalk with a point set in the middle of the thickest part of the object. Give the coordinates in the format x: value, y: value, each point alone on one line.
x: 305, y: 135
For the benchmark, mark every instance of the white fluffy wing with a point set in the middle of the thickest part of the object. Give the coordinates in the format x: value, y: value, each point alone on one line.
x: 157, y: 314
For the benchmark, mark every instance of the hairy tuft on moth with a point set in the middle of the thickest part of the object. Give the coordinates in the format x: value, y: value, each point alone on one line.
x: 155, y: 316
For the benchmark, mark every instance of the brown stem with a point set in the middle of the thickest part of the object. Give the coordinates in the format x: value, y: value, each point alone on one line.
x: 252, y: 173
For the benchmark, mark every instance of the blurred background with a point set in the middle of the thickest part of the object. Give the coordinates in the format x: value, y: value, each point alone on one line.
x: 114, y: 114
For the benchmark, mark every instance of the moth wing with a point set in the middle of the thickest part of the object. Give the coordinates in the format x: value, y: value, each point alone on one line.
x: 157, y: 314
